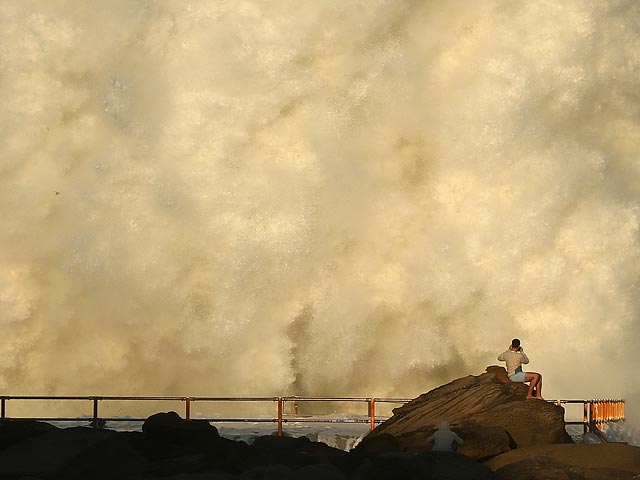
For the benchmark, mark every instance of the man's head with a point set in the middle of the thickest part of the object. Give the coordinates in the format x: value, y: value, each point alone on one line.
x: 515, y: 344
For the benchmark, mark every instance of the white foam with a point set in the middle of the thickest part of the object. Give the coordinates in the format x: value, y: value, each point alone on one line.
x: 321, y: 198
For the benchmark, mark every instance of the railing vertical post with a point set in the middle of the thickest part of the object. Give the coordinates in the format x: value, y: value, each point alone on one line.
x: 187, y: 408
x: 279, y: 416
x: 3, y: 408
x: 620, y: 404
x: 599, y: 411
x: 372, y: 412
x: 586, y: 407
x: 95, y: 412
x: 612, y: 410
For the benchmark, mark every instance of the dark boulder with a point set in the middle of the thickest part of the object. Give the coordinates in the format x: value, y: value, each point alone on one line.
x: 113, y: 457
x: 71, y: 453
x: 169, y: 426
x: 296, y: 452
x: 14, y: 431
x: 174, y: 445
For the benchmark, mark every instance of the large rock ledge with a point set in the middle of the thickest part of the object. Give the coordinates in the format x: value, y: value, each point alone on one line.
x: 549, y: 462
x: 490, y: 413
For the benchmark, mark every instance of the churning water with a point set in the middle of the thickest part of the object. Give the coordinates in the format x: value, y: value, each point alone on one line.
x: 337, y: 197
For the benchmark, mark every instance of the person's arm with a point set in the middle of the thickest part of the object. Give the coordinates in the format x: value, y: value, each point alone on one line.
x: 501, y: 357
x: 431, y: 438
x: 458, y: 439
x: 524, y: 359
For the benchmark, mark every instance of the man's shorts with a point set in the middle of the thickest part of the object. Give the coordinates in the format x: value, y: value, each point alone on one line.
x: 517, y: 377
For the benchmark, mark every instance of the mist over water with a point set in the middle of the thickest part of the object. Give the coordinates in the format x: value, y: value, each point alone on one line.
x: 322, y: 198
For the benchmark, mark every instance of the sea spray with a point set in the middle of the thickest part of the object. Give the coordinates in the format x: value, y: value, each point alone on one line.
x: 320, y: 198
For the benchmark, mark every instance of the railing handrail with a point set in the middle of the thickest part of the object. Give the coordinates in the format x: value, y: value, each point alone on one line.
x: 200, y: 398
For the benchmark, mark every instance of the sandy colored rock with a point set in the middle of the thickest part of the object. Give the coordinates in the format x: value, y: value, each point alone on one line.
x: 489, y: 412
x: 540, y: 467
x: 528, y: 422
x: 618, y: 456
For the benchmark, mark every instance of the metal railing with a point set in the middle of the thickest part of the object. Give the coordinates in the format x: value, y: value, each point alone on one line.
x: 596, y: 413
x: 281, y: 418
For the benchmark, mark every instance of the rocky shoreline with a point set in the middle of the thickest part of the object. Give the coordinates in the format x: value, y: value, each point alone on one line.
x: 505, y: 437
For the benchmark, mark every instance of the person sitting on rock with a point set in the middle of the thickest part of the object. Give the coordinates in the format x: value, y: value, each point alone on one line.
x: 444, y: 439
x: 515, y: 358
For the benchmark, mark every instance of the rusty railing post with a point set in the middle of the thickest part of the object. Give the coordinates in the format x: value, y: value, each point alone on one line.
x: 279, y: 416
x: 187, y: 408
x: 372, y: 412
x: 94, y: 423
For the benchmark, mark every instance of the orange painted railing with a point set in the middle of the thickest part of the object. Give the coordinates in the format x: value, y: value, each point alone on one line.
x: 597, y: 413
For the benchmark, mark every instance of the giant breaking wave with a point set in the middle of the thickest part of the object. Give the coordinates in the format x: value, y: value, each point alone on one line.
x: 325, y: 198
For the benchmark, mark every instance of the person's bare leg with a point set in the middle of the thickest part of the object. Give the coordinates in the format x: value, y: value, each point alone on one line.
x: 539, y: 388
x: 532, y: 378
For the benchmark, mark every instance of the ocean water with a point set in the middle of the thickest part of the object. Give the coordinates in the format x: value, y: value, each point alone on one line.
x: 346, y: 197
x: 346, y: 436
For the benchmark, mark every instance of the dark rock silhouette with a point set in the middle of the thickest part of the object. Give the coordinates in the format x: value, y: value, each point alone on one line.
x: 14, y: 431
x: 490, y: 413
x: 297, y: 452
x: 73, y: 453
x: 170, y: 426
